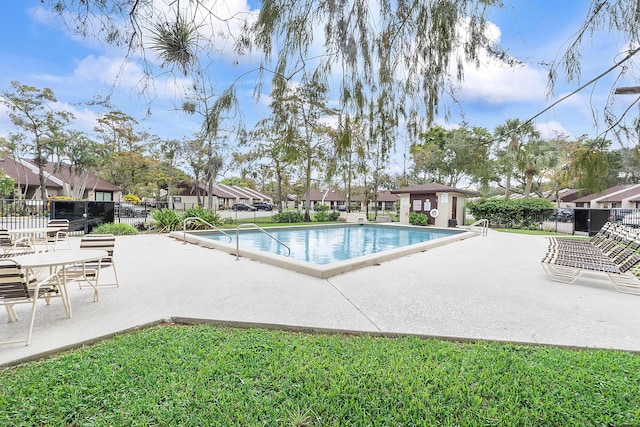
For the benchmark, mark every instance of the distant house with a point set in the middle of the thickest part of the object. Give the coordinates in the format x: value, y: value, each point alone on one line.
x: 566, y: 197
x: 335, y: 199
x: 441, y: 203
x: 621, y: 196
x: 331, y: 198
x: 57, y: 183
x: 223, y: 196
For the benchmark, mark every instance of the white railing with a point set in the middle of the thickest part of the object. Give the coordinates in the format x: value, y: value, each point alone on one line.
x: 197, y: 218
x: 256, y: 227
x: 483, y: 224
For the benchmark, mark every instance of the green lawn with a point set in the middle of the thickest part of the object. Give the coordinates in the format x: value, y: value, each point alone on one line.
x: 201, y: 375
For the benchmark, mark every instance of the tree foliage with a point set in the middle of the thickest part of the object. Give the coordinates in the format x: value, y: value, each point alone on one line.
x: 31, y: 110
x: 451, y: 157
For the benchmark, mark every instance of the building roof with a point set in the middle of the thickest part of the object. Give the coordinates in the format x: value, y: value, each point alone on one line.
x: 633, y: 191
x: 387, y: 196
x: 223, y: 191
x: 340, y: 196
x: 609, y: 195
x: 25, y: 172
x: 566, y: 195
x: 429, y: 188
x: 93, y: 182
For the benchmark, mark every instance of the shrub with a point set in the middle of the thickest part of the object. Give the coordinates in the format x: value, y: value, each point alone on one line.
x: 334, y: 216
x: 117, y: 229
x: 165, y: 220
x: 200, y: 212
x: 418, y: 219
x: 289, y: 216
x: 132, y: 198
x: 322, y: 215
x: 523, y: 213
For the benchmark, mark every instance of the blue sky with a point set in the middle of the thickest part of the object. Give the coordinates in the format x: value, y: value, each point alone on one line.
x: 40, y: 52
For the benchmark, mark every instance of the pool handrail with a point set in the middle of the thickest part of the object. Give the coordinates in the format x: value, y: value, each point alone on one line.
x: 213, y: 227
x: 255, y: 226
x: 484, y: 223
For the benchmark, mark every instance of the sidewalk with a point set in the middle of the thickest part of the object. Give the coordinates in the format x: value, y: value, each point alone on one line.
x: 489, y: 288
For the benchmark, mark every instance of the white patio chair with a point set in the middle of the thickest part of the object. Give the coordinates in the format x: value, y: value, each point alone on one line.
x: 16, y: 289
x: 87, y: 274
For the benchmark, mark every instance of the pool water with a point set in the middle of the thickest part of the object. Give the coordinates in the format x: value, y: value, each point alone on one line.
x: 326, y: 245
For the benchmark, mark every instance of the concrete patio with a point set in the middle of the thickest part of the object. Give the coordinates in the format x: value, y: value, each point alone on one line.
x: 489, y: 288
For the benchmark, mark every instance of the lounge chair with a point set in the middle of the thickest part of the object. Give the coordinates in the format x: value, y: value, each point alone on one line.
x: 621, y: 269
x: 16, y: 289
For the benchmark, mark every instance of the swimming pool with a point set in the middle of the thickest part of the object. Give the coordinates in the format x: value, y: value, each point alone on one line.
x: 324, y: 251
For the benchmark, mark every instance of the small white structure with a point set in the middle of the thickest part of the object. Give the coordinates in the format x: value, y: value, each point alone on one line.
x: 443, y: 205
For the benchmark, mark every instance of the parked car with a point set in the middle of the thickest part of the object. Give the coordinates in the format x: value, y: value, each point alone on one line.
x: 631, y: 220
x: 242, y: 207
x: 127, y: 209
x: 617, y: 215
x: 563, y: 215
x: 262, y: 206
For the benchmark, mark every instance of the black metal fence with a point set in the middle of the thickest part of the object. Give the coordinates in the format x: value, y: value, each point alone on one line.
x: 83, y: 216
x: 589, y: 221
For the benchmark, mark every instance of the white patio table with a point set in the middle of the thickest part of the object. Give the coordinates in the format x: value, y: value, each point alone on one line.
x: 38, y: 235
x: 58, y: 260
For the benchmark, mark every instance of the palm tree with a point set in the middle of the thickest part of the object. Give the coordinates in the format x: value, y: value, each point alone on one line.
x: 513, y: 132
x: 536, y: 156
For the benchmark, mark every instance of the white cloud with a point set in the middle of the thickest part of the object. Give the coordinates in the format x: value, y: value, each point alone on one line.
x: 106, y: 70
x: 85, y: 120
x: 497, y: 84
x: 552, y: 129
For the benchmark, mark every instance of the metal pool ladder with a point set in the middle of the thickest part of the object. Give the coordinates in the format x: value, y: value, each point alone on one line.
x: 257, y: 227
x: 194, y: 218
x: 482, y: 223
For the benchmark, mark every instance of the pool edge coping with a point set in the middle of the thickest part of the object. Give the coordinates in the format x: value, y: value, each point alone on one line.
x: 328, y: 270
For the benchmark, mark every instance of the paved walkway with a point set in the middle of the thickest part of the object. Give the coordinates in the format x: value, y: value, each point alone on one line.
x: 489, y: 288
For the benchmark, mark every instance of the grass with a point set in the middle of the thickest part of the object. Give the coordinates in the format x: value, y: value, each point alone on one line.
x: 535, y: 232
x: 201, y: 375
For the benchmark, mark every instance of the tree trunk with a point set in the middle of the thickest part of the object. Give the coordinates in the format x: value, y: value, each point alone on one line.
x: 307, y: 216
x: 43, y: 188
x: 507, y: 187
x: 279, y: 179
x: 528, y: 184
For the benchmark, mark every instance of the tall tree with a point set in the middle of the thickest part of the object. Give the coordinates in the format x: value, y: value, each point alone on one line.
x: 514, y: 133
x: 274, y: 147
x: 304, y: 110
x: 203, y: 101
x: 82, y: 158
x: 590, y: 164
x: 170, y: 151
x: 535, y: 158
x: 452, y: 157
x: 14, y: 146
x: 31, y: 110
x: 351, y: 151
x: 122, y: 150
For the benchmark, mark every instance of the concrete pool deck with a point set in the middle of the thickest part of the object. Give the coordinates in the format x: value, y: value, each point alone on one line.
x: 482, y: 288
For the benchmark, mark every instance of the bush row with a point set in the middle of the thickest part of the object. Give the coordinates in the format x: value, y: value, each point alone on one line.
x: 519, y: 213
